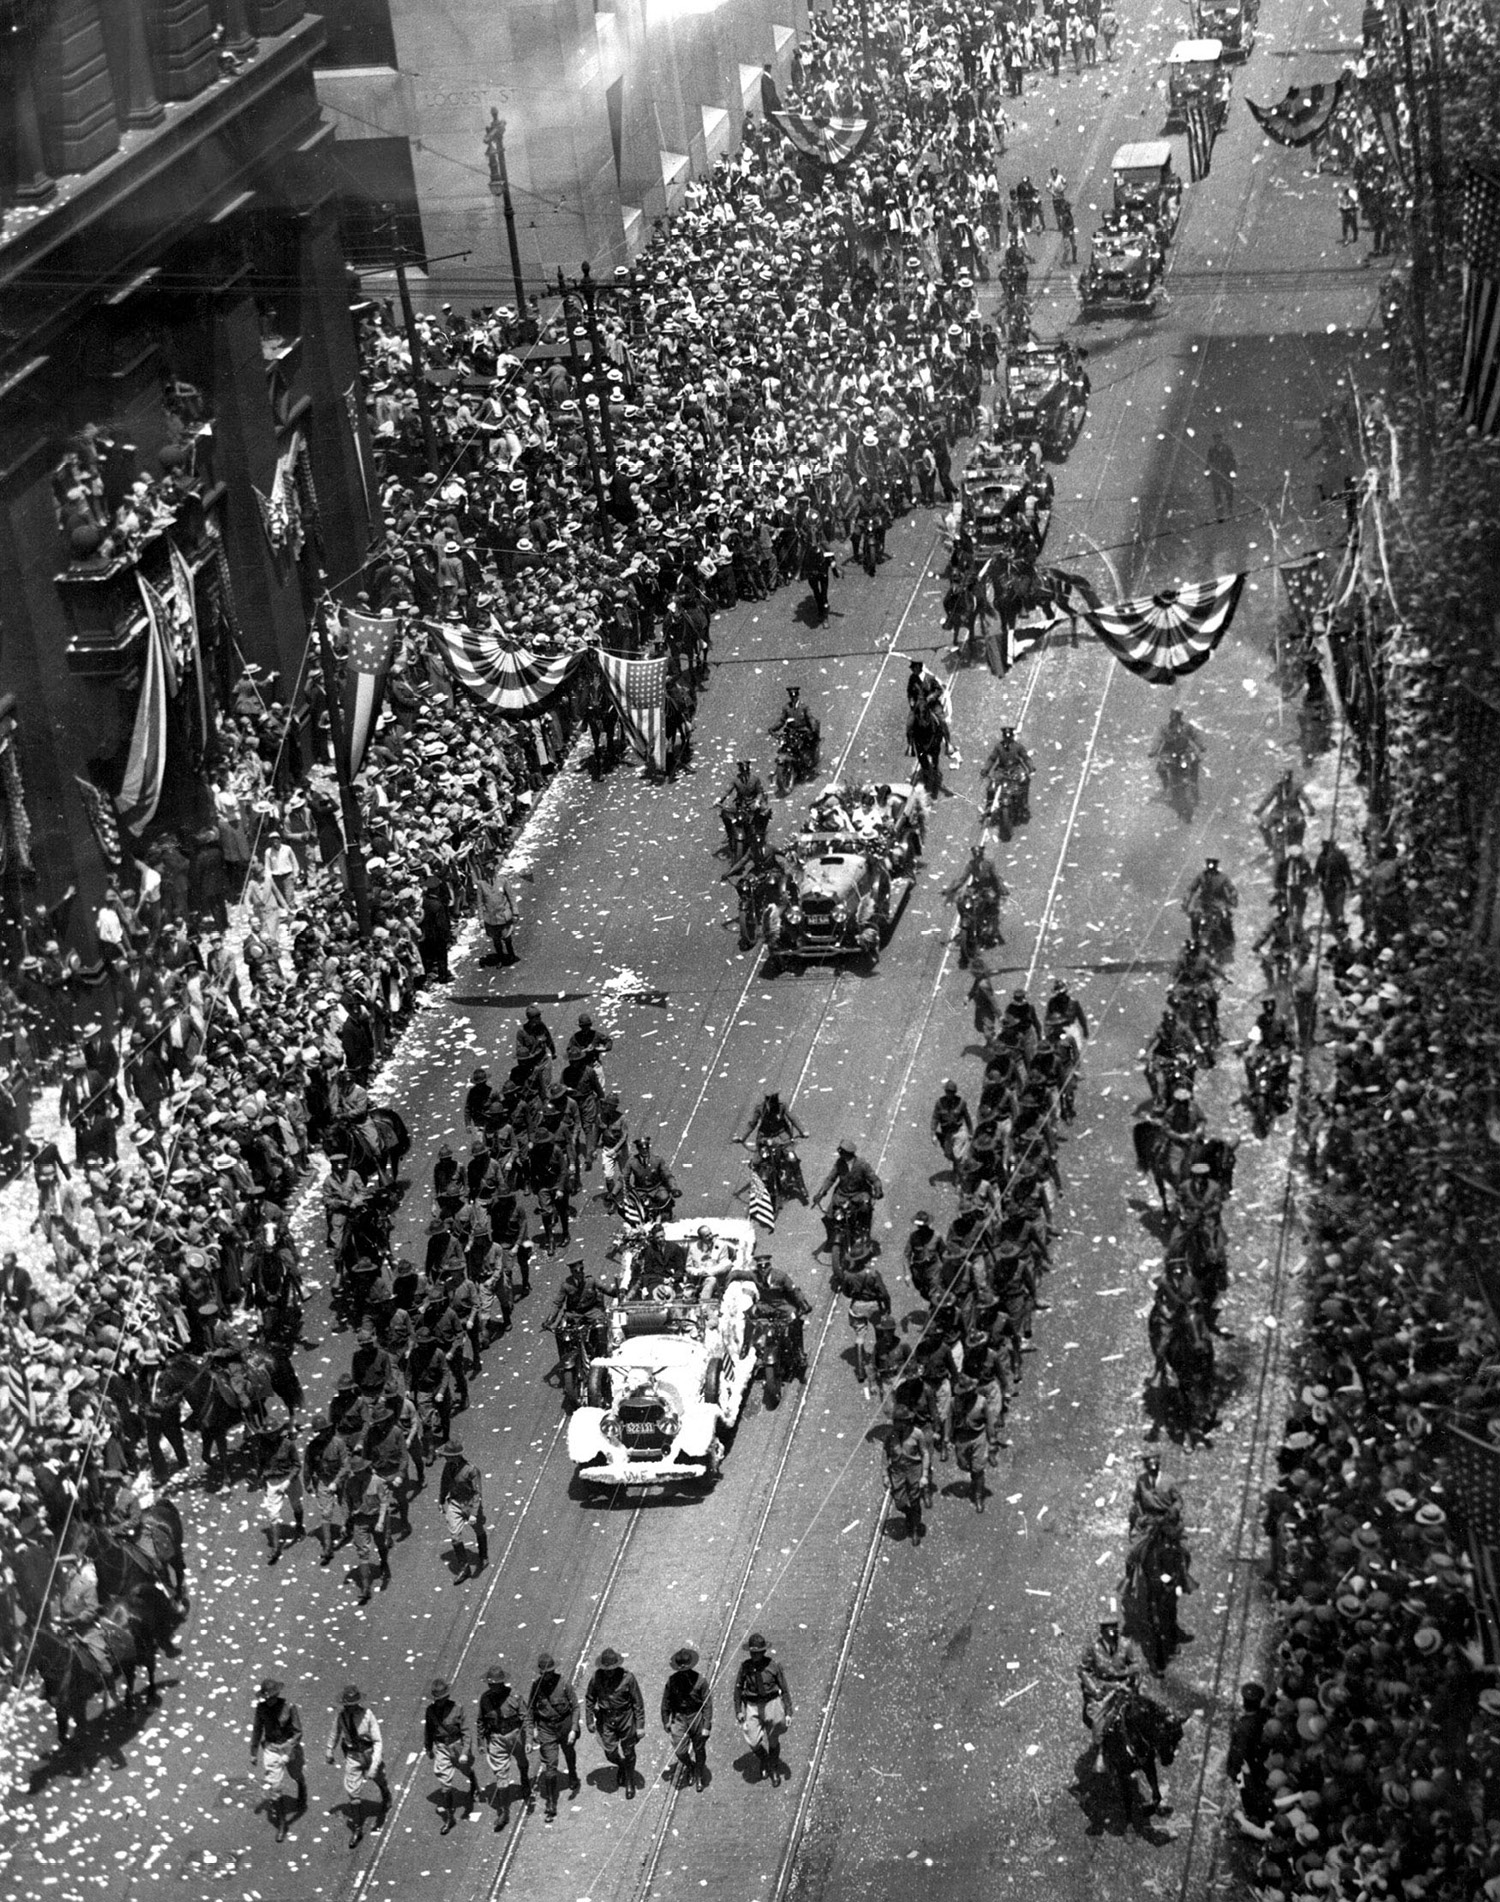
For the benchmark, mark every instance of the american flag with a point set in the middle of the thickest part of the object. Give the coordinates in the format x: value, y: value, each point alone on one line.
x: 758, y: 1203
x: 1480, y: 404
x: 632, y: 1210
x: 639, y: 690
x: 1200, y: 137
x: 372, y: 643
x: 1306, y: 584
x: 1476, y: 1477
x: 17, y: 1409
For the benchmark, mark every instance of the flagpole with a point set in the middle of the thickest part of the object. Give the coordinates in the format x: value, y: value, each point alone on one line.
x: 354, y: 851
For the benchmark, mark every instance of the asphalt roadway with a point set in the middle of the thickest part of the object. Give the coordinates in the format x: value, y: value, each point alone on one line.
x: 936, y: 1738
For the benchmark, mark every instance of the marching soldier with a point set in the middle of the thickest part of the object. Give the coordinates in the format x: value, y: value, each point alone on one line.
x: 367, y: 1506
x: 502, y: 1732
x: 461, y: 1501
x: 447, y: 1752
x: 356, y: 1736
x: 616, y: 1711
x: 276, y: 1735
x: 687, y: 1715
x: 763, y: 1705
x: 552, y: 1708
x: 282, y: 1466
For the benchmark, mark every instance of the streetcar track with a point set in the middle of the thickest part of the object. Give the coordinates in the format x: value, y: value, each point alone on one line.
x: 495, y: 1883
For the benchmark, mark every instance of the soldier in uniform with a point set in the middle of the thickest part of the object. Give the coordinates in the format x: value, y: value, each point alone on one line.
x: 687, y: 1715
x: 276, y: 1737
x: 447, y: 1752
x: 1108, y: 1664
x: 502, y: 1733
x: 355, y: 1736
x: 908, y: 1466
x: 615, y: 1710
x: 461, y: 1500
x: 281, y: 1464
x: 552, y: 1710
x: 763, y: 1705
x: 367, y: 1505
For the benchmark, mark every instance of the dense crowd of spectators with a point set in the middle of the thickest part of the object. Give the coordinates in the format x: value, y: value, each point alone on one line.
x: 789, y: 350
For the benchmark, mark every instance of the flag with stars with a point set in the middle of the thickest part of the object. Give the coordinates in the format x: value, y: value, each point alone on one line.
x: 1476, y: 1474
x: 1480, y: 380
x: 372, y: 645
x: 639, y: 689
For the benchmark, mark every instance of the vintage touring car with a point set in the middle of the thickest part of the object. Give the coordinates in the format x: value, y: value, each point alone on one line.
x: 854, y: 863
x: 1145, y: 183
x: 678, y: 1361
x: 1197, y: 76
x: 1000, y: 499
x: 1041, y: 398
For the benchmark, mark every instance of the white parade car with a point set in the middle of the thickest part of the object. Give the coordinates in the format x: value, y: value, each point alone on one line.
x: 678, y: 1364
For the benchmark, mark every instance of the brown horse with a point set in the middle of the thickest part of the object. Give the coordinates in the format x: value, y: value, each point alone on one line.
x: 130, y: 1634
x: 154, y: 1557
x: 214, y: 1405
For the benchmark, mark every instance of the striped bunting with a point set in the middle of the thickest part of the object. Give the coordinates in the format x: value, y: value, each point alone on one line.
x: 1163, y: 636
x: 513, y: 680
x: 758, y: 1204
x: 1301, y: 116
x: 831, y: 142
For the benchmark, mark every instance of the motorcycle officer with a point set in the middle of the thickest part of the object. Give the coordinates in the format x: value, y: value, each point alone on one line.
x: 795, y: 726
x: 851, y: 1184
x: 1178, y: 742
x: 1008, y: 760
x: 649, y: 1178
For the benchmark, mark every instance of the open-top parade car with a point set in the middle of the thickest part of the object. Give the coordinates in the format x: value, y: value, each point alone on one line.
x: 1042, y: 396
x: 1124, y: 270
x: 678, y: 1362
x: 1145, y: 185
x: 1001, y: 496
x: 854, y: 861
x: 1230, y: 22
x: 1197, y: 76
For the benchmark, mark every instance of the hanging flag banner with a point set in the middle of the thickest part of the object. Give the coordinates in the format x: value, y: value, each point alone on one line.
x: 639, y: 690
x: 372, y: 645
x: 513, y: 680
x: 188, y: 645
x: 1306, y: 584
x: 1200, y: 138
x: 1164, y: 636
x: 830, y: 143
x: 1301, y: 116
x: 99, y: 809
x: 1479, y: 380
x: 140, y: 789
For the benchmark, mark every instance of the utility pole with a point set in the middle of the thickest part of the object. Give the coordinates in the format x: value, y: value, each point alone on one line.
x: 601, y: 365
x: 867, y: 66
x: 1435, y: 138
x: 1421, y: 257
x: 414, y: 345
x: 354, y: 850
x: 606, y: 533
x: 494, y: 145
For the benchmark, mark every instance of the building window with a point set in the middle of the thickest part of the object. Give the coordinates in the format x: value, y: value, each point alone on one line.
x: 378, y: 212
x: 358, y: 33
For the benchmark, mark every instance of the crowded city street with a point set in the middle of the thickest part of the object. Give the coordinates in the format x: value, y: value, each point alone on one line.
x: 924, y: 1736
